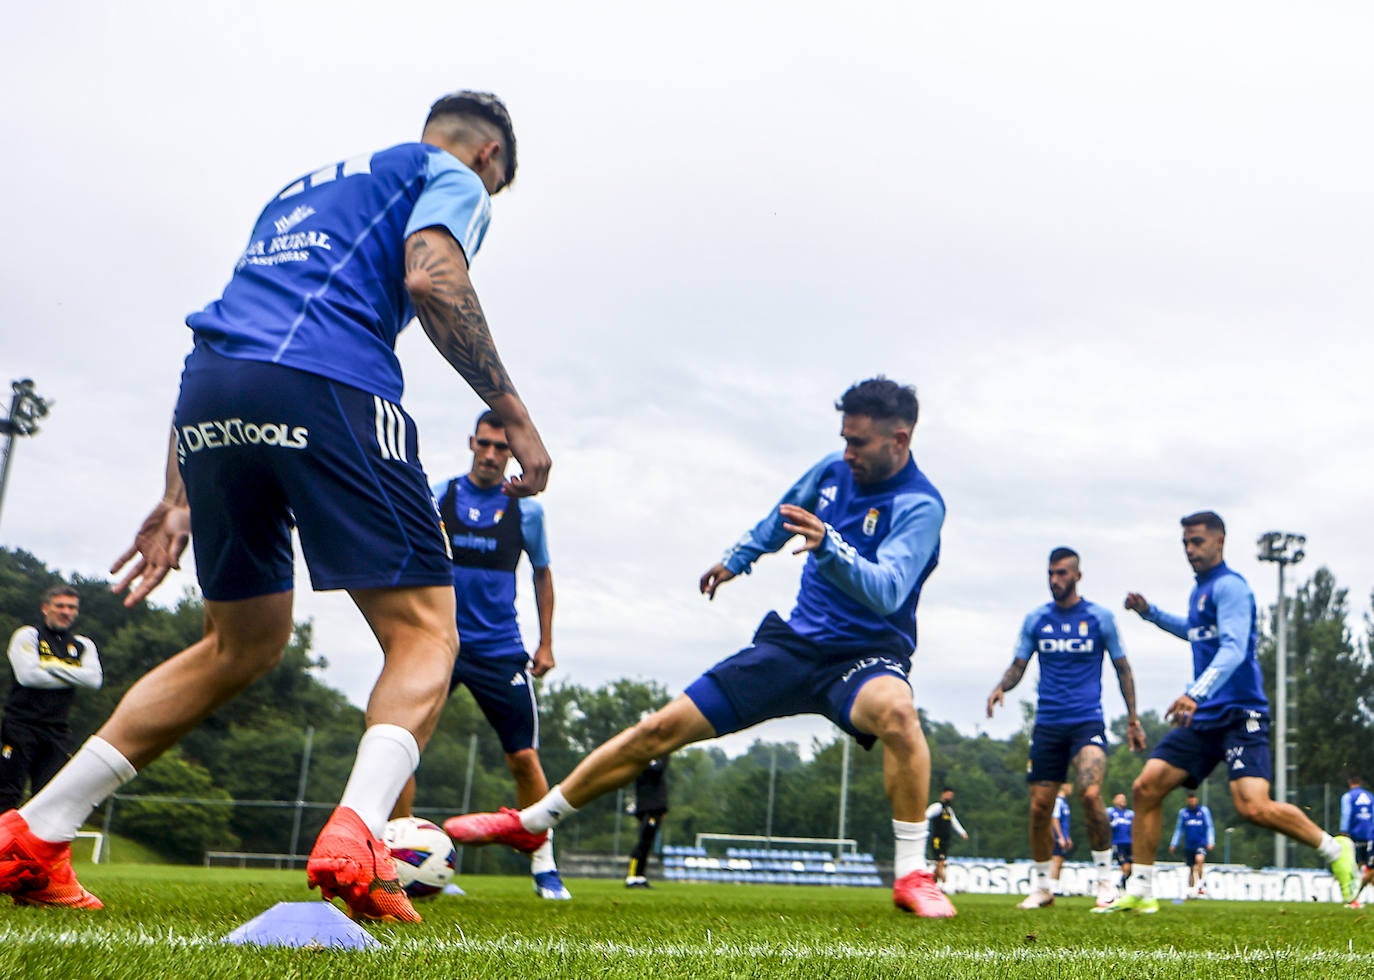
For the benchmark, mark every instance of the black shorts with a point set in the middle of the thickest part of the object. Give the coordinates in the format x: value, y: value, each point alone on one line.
x: 503, y: 689
x: 939, y: 847
x: 1121, y: 853
x: 1053, y: 747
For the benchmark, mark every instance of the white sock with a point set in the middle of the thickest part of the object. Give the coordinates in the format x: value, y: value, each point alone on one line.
x: 1103, y: 860
x: 910, y: 846
x: 547, y: 813
x: 387, y: 757
x: 1329, y: 849
x: 59, y: 809
x: 542, y: 859
x: 1142, y: 881
x: 1040, y: 876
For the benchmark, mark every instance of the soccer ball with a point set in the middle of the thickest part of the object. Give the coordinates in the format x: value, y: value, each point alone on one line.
x: 423, y: 853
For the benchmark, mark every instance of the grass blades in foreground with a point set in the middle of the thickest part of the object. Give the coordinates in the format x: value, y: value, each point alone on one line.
x: 165, y: 921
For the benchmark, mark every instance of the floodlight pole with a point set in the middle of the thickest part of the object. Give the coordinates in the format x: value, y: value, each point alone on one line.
x: 1281, y: 548
x: 26, y: 408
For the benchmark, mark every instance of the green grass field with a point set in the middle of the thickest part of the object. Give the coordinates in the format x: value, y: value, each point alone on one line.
x: 165, y: 921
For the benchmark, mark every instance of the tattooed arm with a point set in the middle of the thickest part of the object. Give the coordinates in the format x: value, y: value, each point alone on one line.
x: 439, y: 287
x: 1135, y: 732
x: 1009, y: 680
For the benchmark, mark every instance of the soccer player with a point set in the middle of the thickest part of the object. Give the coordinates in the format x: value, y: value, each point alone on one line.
x: 1357, y: 823
x: 651, y: 806
x: 1061, y: 822
x: 288, y: 414
x: 943, y: 825
x: 1223, y: 715
x: 869, y: 523
x: 1071, y: 635
x: 49, y: 662
x: 1199, y: 834
x: 1121, y: 818
x: 487, y: 532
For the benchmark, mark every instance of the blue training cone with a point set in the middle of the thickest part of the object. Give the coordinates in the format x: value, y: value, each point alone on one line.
x: 309, y: 924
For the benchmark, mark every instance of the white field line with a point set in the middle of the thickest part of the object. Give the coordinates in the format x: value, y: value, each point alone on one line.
x: 508, y: 945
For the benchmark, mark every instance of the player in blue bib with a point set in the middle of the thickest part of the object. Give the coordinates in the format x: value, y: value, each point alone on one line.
x: 1071, y: 635
x: 1195, y: 828
x: 288, y: 416
x: 488, y: 532
x: 1122, y: 818
x: 1222, y: 717
x: 1357, y: 823
x: 869, y: 522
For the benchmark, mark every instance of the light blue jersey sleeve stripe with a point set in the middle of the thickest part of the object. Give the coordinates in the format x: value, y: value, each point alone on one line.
x: 453, y: 198
x: 532, y: 527
x: 1025, y: 643
x: 1106, y: 625
x: 1168, y: 622
x: 883, y: 585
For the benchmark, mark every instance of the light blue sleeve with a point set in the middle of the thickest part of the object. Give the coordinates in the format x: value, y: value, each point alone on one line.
x: 1235, y: 609
x: 1111, y: 639
x: 768, y: 535
x: 453, y: 198
x: 532, y: 527
x: 1211, y: 827
x: 1025, y: 643
x: 885, y: 583
x: 1345, y: 813
x: 1178, y: 830
x: 1167, y: 622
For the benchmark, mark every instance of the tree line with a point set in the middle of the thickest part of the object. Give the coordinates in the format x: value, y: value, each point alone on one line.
x: 251, y: 751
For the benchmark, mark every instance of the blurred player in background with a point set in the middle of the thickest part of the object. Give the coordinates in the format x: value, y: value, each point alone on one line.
x: 289, y: 414
x: 1195, y: 828
x: 1121, y: 818
x: 1222, y: 717
x: 870, y: 524
x: 1357, y: 823
x: 1071, y: 635
x: 943, y: 826
x: 651, y: 806
x: 488, y: 530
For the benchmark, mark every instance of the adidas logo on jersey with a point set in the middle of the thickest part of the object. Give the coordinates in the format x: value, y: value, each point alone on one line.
x: 518, y: 680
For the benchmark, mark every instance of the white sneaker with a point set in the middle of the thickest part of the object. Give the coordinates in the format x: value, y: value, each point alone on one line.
x: 1039, y: 898
x: 1106, y: 892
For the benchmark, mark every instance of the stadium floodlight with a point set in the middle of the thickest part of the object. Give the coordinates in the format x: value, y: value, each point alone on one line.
x: 1282, y: 548
x: 26, y: 408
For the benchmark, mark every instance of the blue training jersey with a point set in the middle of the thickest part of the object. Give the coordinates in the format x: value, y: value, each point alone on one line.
x: 484, y: 577
x: 1357, y: 814
x: 1195, y: 826
x: 1222, y: 628
x: 1121, y: 819
x: 882, y: 542
x: 1061, y: 815
x: 1070, y: 643
x: 320, y: 286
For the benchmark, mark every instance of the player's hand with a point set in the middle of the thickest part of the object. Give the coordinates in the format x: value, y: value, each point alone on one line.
x: 1181, y: 711
x: 715, y: 576
x: 1135, y: 735
x: 158, y: 545
x: 801, y: 521
x: 1137, y: 603
x: 543, y: 660
x: 995, y: 699
x: 528, y: 449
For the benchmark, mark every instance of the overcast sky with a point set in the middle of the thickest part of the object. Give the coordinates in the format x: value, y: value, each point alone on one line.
x: 1123, y: 252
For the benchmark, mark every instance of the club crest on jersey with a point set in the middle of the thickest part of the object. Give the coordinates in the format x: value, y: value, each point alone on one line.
x: 871, y: 521
x: 1082, y: 627
x: 1202, y: 602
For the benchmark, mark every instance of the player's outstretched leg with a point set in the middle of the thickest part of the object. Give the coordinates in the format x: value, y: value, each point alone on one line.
x: 348, y: 862
x: 919, y: 893
x: 37, y: 872
x: 1343, y: 868
x: 501, y: 827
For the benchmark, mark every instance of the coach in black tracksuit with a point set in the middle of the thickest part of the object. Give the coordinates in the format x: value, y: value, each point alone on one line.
x: 50, y: 662
x: 651, y: 804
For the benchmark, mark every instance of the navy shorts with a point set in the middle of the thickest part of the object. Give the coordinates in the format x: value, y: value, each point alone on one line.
x: 1121, y: 853
x: 262, y: 447
x: 1243, y: 744
x: 1198, y: 854
x: 502, y: 688
x: 784, y: 674
x: 1062, y: 851
x: 1053, y: 747
x: 1363, y: 855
